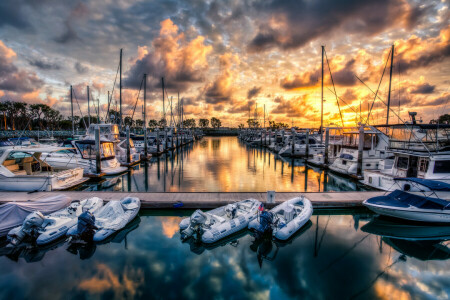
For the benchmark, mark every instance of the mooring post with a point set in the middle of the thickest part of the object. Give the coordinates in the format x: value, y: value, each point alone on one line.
x: 360, y: 151
x: 293, y: 142
x: 128, y: 145
x: 327, y: 140
x: 165, y: 139
x: 307, y: 145
x: 157, y: 140
x: 98, y: 162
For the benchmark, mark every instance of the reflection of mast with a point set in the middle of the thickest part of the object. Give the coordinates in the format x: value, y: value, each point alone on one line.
x: 318, y: 243
x: 400, y: 258
x: 343, y: 254
x: 146, y: 175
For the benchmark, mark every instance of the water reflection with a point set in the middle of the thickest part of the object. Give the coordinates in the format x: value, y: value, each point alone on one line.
x: 225, y: 164
x: 331, y: 256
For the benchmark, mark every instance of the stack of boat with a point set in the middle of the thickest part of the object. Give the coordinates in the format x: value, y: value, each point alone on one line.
x: 46, y: 220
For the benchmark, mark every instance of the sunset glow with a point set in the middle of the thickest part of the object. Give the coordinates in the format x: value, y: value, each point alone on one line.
x: 225, y: 58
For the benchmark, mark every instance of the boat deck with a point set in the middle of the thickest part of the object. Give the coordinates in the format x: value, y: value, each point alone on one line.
x: 211, y: 200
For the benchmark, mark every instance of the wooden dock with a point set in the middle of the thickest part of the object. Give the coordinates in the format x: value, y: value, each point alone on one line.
x: 209, y: 200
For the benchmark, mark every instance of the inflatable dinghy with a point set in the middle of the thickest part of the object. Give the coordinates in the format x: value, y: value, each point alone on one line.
x: 112, y: 217
x: 285, y: 219
x: 13, y: 214
x: 46, y: 229
x: 221, y: 222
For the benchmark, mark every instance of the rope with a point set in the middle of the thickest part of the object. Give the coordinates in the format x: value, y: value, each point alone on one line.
x: 79, y: 108
x: 112, y: 93
x: 335, y: 93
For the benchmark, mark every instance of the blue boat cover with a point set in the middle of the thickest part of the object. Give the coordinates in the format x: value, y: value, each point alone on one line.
x: 433, y: 185
x: 403, y: 199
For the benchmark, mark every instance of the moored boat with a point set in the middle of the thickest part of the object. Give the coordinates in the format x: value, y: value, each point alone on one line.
x: 285, y: 219
x: 221, y: 222
x: 46, y: 229
x: 409, y: 206
x: 109, y: 219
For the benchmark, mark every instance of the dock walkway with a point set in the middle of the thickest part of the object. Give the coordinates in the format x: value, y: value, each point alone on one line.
x: 208, y: 200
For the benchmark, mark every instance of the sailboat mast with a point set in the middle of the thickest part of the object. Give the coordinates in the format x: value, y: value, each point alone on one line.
x: 390, y: 81
x: 120, y: 90
x: 321, y: 101
x: 164, y: 107
x: 71, y: 108
x: 89, y: 108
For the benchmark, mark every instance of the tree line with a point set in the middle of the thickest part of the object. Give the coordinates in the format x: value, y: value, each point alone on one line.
x: 24, y: 116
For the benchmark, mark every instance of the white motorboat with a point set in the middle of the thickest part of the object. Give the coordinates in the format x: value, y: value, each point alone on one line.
x: 419, y: 150
x: 46, y: 229
x: 375, y: 149
x: 285, y: 219
x: 12, y: 214
x: 414, y: 207
x: 82, y: 154
x: 26, y: 170
x: 221, y: 222
x: 109, y: 219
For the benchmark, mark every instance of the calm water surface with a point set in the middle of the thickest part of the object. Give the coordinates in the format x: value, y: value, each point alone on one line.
x: 225, y: 164
x: 333, y: 257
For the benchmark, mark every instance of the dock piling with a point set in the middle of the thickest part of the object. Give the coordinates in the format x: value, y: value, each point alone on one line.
x: 128, y: 145
x: 327, y: 140
x: 98, y: 163
x: 360, y: 151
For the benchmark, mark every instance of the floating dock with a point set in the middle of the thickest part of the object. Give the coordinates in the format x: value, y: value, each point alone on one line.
x: 208, y: 200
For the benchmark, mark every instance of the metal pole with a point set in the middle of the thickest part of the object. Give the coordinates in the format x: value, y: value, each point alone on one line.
x: 71, y: 108
x: 120, y: 90
x: 89, y: 108
x: 157, y: 140
x: 164, y: 107
x: 327, y: 140
x: 321, y: 102
x: 145, y: 119
x: 98, y: 162
x: 390, y: 80
x: 307, y: 145
x: 360, y: 151
x: 128, y: 145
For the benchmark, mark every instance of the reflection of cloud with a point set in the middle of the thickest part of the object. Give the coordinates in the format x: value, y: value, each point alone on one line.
x: 170, y: 225
x: 123, y: 286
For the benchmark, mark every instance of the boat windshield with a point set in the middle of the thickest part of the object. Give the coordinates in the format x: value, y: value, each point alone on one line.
x: 20, y: 162
x: 87, y: 149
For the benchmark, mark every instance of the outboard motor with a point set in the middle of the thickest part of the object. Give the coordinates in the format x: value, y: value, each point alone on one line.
x: 30, y: 227
x: 231, y: 210
x: 265, y: 222
x: 197, y: 219
x: 86, y: 225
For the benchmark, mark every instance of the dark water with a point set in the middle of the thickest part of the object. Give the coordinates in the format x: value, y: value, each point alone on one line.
x: 225, y: 164
x: 331, y: 258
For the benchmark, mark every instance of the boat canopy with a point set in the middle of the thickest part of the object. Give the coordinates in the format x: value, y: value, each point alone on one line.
x: 433, y: 185
x: 403, y: 199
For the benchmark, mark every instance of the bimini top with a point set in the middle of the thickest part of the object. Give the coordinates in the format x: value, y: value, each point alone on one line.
x: 402, y: 199
x: 433, y: 185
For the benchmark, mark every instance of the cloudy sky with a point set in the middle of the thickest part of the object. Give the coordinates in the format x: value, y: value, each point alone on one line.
x: 225, y: 58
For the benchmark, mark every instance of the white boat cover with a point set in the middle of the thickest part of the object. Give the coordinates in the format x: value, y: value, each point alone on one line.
x: 113, y: 216
x: 12, y: 214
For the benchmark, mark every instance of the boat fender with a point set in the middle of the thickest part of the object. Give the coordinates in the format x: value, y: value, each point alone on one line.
x: 178, y: 204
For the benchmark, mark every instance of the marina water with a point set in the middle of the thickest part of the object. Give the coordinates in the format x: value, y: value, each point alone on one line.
x: 330, y: 258
x: 224, y: 164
